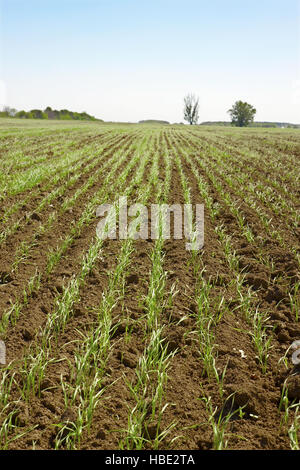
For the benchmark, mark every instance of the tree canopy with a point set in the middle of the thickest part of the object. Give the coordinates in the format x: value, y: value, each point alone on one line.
x: 242, y: 114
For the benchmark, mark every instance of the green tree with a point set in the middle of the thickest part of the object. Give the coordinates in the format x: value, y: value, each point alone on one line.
x: 191, y: 109
x: 36, y: 113
x: 21, y: 114
x: 242, y: 114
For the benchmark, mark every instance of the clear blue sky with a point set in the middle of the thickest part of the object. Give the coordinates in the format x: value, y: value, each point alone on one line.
x: 126, y: 60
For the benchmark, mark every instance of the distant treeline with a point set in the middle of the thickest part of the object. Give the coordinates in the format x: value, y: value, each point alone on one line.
x: 48, y: 113
x: 153, y: 121
x: 275, y: 124
x: 253, y: 124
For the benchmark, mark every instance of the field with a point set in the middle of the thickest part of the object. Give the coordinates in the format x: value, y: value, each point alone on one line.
x: 142, y: 344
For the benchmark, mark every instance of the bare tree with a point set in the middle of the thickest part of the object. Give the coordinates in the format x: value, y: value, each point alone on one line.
x: 9, y: 111
x: 191, y: 108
